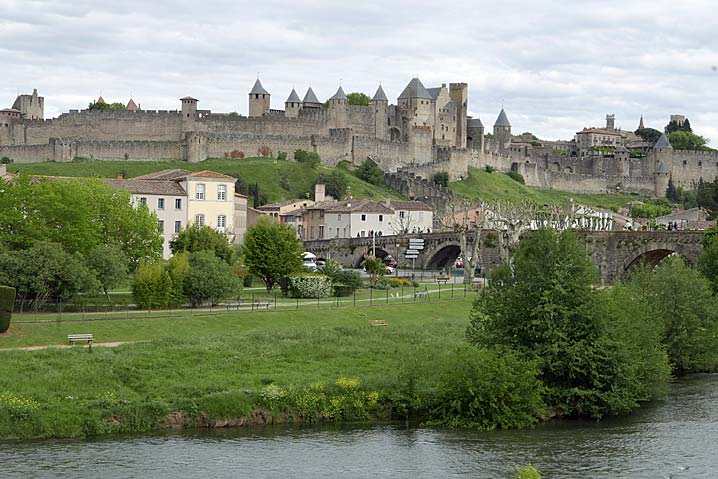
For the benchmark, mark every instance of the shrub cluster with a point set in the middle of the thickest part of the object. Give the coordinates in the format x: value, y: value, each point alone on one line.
x: 309, y: 285
x: 7, y: 303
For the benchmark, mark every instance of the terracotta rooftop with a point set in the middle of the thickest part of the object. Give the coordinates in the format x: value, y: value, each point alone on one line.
x: 178, y: 174
x: 409, y: 205
x: 359, y: 206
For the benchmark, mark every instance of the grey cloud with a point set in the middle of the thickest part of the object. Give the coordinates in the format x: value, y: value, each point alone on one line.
x: 556, y: 66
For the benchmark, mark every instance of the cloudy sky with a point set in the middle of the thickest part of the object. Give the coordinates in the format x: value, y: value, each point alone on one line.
x: 556, y: 66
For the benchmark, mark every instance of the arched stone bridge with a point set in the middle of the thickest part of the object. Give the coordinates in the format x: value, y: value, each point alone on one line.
x: 613, y: 252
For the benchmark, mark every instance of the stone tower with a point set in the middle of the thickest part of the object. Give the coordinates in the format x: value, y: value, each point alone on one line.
x: 416, y: 104
x: 310, y: 100
x: 381, y: 113
x: 31, y: 107
x: 292, y: 105
x: 640, y: 124
x: 8, y: 118
x: 662, y: 155
x: 258, y: 100
x: 189, y: 112
x: 338, y: 108
x: 475, y: 134
x: 623, y: 161
x: 502, y: 132
x: 459, y: 93
x: 611, y: 122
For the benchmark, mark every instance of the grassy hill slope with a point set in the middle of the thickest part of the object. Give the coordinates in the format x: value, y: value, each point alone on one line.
x: 498, y: 186
x: 279, y: 180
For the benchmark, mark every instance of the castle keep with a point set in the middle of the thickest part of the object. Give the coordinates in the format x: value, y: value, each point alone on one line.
x: 426, y: 131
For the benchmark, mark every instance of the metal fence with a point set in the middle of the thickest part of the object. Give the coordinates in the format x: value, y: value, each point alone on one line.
x: 248, y: 302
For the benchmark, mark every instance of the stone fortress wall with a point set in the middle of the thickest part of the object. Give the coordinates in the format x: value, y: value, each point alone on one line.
x: 428, y: 131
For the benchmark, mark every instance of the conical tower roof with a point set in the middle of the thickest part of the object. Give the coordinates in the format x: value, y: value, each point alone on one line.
x: 663, y: 143
x: 339, y: 95
x: 310, y: 97
x: 502, y: 120
x: 100, y: 100
x: 380, y: 95
x: 640, y: 124
x: 475, y: 123
x: 258, y: 89
x: 293, y: 97
x: 131, y: 105
x: 415, y: 89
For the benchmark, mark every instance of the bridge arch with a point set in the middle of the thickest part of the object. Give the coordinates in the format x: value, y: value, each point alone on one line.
x: 443, y: 256
x: 381, y: 253
x: 652, y: 255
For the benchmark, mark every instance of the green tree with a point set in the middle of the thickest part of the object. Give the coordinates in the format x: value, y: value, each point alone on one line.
x: 376, y: 269
x: 310, y: 158
x: 359, y: 99
x: 7, y: 305
x: 685, y: 140
x: 708, y: 264
x: 671, y: 191
x: 674, y: 126
x: 680, y: 300
x: 544, y: 308
x: 79, y: 213
x: 441, y: 178
x: 45, y: 272
x: 110, y: 266
x: 527, y: 472
x: 370, y: 172
x: 195, y: 238
x: 516, y: 176
x: 152, y: 287
x: 209, y: 279
x: 336, y: 184
x: 101, y: 105
x: 272, y: 251
x: 650, y: 135
x: 178, y: 268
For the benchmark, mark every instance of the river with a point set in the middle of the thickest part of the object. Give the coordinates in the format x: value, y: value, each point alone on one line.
x: 676, y: 437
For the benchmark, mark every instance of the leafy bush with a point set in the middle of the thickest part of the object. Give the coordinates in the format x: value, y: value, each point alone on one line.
x: 650, y: 210
x: 17, y: 407
x: 488, y: 390
x: 349, y: 278
x: 527, y: 472
x: 342, y: 290
x: 489, y: 169
x: 247, y: 280
x: 5, y: 160
x: 516, y: 176
x: 310, y: 158
x: 441, y: 178
x: 282, y: 155
x: 7, y: 303
x: 309, y: 286
x: 370, y: 172
x: 395, y: 282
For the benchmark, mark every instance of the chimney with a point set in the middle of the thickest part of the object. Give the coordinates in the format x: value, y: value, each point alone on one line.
x: 319, y: 192
x: 120, y: 177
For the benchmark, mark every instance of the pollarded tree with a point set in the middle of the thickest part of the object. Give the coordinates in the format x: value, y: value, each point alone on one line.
x: 272, y: 251
x: 204, y: 238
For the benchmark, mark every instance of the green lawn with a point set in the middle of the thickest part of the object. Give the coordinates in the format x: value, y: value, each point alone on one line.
x: 498, y: 186
x: 268, y: 173
x: 214, y: 365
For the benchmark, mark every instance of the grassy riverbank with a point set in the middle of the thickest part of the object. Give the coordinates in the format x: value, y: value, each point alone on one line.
x: 222, y: 368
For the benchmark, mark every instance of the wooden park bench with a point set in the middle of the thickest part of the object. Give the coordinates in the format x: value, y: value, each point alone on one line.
x: 377, y: 322
x: 421, y: 294
x: 76, y: 338
x: 442, y: 279
x: 262, y: 303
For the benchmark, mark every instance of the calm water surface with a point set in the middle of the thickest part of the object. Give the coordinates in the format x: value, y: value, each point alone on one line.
x: 676, y: 437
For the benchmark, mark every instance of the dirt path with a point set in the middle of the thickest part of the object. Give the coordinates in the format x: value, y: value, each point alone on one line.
x: 110, y: 344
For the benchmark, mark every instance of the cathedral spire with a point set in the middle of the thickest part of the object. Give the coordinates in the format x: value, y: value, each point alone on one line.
x: 640, y: 124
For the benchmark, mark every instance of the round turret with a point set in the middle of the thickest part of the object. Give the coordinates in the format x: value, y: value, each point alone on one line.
x: 259, y: 100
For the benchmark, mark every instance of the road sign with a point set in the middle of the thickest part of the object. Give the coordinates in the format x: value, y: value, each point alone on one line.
x: 416, y: 243
x: 411, y: 256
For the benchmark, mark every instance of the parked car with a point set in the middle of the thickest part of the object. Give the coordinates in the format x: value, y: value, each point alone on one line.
x: 390, y: 261
x: 390, y: 270
x: 320, y: 263
x: 459, y: 263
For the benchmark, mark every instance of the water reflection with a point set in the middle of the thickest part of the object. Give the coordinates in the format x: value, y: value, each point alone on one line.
x: 675, y: 437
